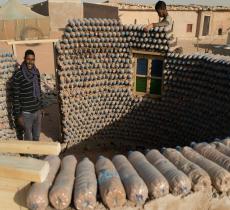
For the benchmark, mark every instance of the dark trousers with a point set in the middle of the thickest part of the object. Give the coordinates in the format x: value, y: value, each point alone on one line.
x: 32, y: 125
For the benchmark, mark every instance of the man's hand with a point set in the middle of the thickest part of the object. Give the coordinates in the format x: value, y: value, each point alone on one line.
x: 20, y: 121
x: 148, y: 27
x: 154, y: 25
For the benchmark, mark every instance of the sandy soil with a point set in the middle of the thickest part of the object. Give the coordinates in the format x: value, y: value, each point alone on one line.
x: 51, y: 124
x: 194, y: 201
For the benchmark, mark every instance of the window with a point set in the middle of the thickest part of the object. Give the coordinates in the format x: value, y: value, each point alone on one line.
x: 206, y: 25
x: 135, y: 21
x: 220, y: 31
x: 189, y: 28
x: 148, y: 73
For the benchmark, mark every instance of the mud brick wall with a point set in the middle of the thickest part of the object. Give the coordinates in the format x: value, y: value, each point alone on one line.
x: 7, y: 67
x: 95, y: 88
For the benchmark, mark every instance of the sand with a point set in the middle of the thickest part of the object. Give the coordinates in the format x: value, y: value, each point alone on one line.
x: 194, y: 201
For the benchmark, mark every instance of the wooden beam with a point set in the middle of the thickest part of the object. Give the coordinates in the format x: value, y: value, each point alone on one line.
x: 13, y: 194
x: 23, y: 168
x: 14, y: 50
x: 144, y: 52
x: 36, y: 41
x: 30, y: 147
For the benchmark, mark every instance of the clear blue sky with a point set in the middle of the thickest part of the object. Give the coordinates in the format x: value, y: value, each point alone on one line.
x: 204, y: 2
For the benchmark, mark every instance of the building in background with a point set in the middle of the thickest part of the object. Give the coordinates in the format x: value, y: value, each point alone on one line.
x: 228, y: 38
x: 61, y: 11
x: 41, y: 8
x: 213, y: 22
x: 46, y: 20
x: 91, y: 10
x: 190, y: 22
x: 19, y: 22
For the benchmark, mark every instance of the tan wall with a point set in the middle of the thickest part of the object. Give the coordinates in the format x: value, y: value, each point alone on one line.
x: 228, y: 38
x: 99, y: 11
x: 202, y: 15
x: 141, y: 17
x: 181, y: 20
x: 61, y: 12
x: 44, y: 56
x: 4, y: 47
x: 148, y: 16
x: 25, y: 29
x: 43, y: 52
x: 219, y: 19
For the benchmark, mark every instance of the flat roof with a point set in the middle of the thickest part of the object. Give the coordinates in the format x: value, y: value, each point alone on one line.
x: 191, y: 7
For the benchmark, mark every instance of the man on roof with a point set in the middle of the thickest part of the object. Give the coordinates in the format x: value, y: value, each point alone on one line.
x: 165, y: 19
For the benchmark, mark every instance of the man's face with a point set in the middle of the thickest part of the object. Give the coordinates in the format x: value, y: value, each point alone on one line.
x: 30, y: 61
x: 161, y: 12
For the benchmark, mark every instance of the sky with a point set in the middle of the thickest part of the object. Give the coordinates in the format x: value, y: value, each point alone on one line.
x: 203, y: 2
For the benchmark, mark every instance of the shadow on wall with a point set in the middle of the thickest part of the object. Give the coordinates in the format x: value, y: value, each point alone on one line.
x: 153, y: 125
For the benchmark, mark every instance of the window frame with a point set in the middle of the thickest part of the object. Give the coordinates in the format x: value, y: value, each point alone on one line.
x: 220, y: 31
x: 148, y: 55
x: 189, y: 28
x: 206, y: 25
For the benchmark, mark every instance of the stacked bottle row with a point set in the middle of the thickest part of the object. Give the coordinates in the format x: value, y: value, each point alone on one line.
x: 138, y: 178
x: 196, y: 89
x: 7, y: 67
x: 100, y: 33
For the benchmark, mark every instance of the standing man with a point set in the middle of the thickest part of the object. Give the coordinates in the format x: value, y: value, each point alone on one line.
x: 27, y: 101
